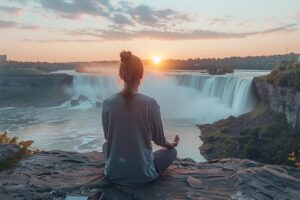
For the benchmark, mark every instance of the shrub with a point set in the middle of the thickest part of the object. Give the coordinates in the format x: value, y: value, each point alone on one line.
x: 293, y: 158
x: 286, y: 74
x: 26, y: 148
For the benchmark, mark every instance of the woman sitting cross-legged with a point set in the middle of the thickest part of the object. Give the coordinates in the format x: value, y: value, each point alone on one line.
x: 132, y: 120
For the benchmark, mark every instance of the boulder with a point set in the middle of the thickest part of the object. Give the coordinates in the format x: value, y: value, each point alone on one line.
x: 8, y: 152
x: 82, y: 98
x: 74, y: 102
x: 57, y: 174
x: 98, y: 104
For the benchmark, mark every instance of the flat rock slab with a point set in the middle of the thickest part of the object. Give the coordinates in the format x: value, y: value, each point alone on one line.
x: 56, y: 174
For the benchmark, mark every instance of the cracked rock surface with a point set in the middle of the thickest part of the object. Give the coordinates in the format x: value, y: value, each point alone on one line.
x: 56, y: 174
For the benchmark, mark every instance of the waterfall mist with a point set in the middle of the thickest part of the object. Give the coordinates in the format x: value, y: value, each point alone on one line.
x: 202, y: 98
x: 186, y: 99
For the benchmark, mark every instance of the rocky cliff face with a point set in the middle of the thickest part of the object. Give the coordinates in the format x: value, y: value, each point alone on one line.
x: 56, y: 174
x: 34, y: 90
x: 280, y: 99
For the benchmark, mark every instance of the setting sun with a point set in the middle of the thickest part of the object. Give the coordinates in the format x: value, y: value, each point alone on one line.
x: 156, y: 60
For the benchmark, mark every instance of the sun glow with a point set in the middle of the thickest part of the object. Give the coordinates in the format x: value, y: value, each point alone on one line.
x: 156, y: 60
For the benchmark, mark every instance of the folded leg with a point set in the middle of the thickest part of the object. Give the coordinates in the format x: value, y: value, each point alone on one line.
x: 163, y: 158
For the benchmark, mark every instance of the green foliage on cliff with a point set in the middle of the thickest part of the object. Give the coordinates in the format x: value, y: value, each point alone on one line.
x: 261, y: 135
x: 286, y: 74
x: 271, y: 144
x: 222, y: 144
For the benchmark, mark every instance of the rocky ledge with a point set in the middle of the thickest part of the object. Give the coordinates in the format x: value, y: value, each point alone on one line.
x: 56, y: 174
x: 225, y: 138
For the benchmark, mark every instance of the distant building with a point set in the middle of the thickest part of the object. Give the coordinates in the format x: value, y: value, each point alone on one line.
x: 3, y: 58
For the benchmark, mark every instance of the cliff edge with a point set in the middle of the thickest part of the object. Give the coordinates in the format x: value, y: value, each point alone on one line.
x: 271, y: 132
x: 281, y: 99
x: 56, y: 174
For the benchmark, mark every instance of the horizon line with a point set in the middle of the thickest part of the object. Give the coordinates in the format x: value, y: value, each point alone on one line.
x: 148, y: 59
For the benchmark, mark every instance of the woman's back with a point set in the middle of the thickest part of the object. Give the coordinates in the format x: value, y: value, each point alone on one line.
x: 130, y: 121
x: 129, y: 131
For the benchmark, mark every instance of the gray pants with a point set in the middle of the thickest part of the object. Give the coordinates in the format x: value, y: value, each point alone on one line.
x: 163, y: 158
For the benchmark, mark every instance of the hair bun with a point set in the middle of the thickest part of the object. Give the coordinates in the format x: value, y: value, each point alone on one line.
x: 125, y: 56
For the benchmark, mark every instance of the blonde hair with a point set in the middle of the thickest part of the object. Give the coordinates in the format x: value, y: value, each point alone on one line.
x: 131, y: 72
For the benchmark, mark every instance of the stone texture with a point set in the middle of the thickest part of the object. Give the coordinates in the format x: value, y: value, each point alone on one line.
x: 83, y: 98
x: 74, y: 102
x: 8, y: 152
x: 282, y: 100
x: 233, y: 126
x: 54, y: 174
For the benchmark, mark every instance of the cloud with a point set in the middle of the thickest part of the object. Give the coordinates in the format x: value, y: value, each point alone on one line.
x: 4, y: 24
x: 8, y: 24
x: 19, y: 1
x: 165, y: 35
x: 281, y: 29
x: 122, y: 20
x: 219, y: 21
x: 122, y: 13
x: 131, y: 21
x: 121, y: 35
x: 29, y: 27
x: 10, y: 10
x: 76, y: 8
x: 60, y: 41
x: 246, y: 22
x: 146, y: 15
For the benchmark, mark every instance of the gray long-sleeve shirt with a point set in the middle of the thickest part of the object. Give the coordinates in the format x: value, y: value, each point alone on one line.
x: 129, y: 131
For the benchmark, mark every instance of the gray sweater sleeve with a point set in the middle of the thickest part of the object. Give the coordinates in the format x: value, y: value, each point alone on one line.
x: 105, y: 119
x: 157, y: 130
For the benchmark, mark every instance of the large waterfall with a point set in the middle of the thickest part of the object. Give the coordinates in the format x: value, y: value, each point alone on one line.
x: 186, y: 99
x: 201, y: 98
x: 232, y: 91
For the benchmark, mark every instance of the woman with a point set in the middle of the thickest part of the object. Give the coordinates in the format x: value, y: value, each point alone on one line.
x: 131, y: 121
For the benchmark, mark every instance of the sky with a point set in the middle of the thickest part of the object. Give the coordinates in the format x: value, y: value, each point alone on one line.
x: 90, y: 30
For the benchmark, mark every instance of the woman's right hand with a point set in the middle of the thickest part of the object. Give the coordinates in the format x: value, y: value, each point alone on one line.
x: 175, y: 142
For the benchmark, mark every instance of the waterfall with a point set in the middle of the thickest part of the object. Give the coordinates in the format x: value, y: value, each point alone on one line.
x: 233, y: 91
x: 94, y: 87
x: 185, y: 98
x: 200, y: 97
